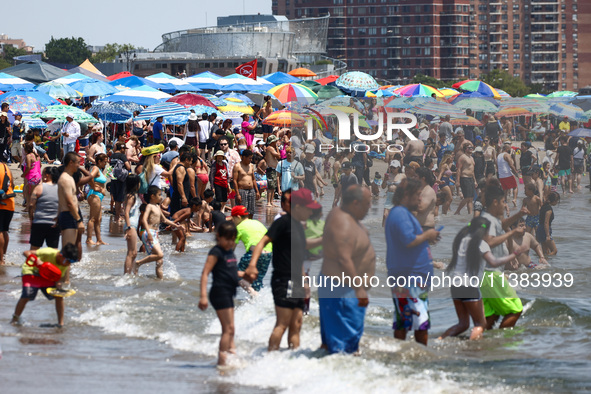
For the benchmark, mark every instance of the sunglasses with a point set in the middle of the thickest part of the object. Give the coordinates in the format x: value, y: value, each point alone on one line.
x: 223, y: 144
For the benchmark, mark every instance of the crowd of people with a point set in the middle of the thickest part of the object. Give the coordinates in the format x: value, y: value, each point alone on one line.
x: 210, y: 176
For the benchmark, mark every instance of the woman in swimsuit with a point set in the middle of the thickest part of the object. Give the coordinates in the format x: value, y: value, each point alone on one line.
x: 201, y: 175
x: 97, y: 146
x: 95, y: 198
x: 32, y: 172
x: 445, y: 182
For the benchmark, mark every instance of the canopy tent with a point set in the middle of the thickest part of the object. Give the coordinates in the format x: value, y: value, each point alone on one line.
x: 234, y: 82
x: 205, y: 80
x: 87, y: 65
x: 279, y: 77
x: 175, y: 83
x: 143, y: 95
x: 36, y: 71
x: 9, y: 82
x: 90, y: 74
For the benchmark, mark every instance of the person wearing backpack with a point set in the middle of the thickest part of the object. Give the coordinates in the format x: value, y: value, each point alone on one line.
x: 121, y: 168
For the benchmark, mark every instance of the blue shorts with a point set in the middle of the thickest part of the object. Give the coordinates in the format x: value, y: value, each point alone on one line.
x: 30, y: 293
x: 532, y: 221
x: 66, y: 221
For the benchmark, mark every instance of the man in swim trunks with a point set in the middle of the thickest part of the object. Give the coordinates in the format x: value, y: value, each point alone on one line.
x: 408, y: 256
x: 465, y: 171
x: 347, y: 251
x: 244, y: 184
x: 524, y: 238
x: 69, y: 218
x: 564, y: 164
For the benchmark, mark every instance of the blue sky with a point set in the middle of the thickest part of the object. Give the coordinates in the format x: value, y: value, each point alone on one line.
x: 140, y: 23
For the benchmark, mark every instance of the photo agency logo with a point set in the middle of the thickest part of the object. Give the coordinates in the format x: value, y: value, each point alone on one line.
x: 395, y: 124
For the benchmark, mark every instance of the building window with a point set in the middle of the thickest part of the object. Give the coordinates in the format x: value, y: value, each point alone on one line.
x: 373, y: 31
x: 427, y: 51
x: 516, y: 56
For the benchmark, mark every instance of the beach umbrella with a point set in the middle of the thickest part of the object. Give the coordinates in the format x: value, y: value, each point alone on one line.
x: 24, y: 104
x: 163, y: 109
x: 115, y: 112
x: 294, y: 92
x: 285, y: 118
x: 214, y: 99
x: 122, y: 74
x: 418, y: 90
x: 58, y: 90
x: 142, y: 95
x: 8, y: 83
x: 21, y: 95
x: 70, y: 79
x: 581, y: 132
x: 476, y: 105
x: 313, y: 85
x: 513, y: 111
x: 532, y: 105
x: 205, y: 109
x: 331, y: 79
x: 205, y: 80
x: 356, y: 81
x: 437, y: 108
x: 279, y: 77
x: 466, y: 121
x: 59, y: 112
x: 503, y: 94
x: 536, y: 96
x: 472, y: 95
x: 571, y: 111
x: 562, y: 93
x: 480, y: 87
x: 458, y: 84
x: 448, y: 92
x: 33, y: 123
x: 92, y: 87
x: 583, y: 102
x: 172, y: 84
x: 399, y: 102
x: 190, y: 99
x: 302, y: 73
x: 258, y: 96
x: 345, y: 101
x: 237, y: 82
x: 238, y: 96
x: 380, y: 93
x: 328, y: 92
x: 235, y: 105
x: 326, y: 110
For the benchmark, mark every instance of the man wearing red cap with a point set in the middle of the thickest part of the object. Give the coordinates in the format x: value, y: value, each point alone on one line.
x: 250, y: 232
x: 289, y: 251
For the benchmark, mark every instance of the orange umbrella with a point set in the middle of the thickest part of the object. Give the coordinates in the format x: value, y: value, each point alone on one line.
x: 302, y: 72
x: 285, y: 118
x: 513, y: 111
x: 467, y: 121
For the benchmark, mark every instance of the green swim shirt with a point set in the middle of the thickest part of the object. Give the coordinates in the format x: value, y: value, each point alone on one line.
x: 250, y: 232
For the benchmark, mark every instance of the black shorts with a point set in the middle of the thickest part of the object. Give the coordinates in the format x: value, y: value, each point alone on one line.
x: 30, y: 293
x: 221, y: 298
x: 490, y: 168
x: 44, y: 232
x: 118, y: 190
x: 279, y: 287
x: 202, y: 145
x: 5, y: 219
x: 221, y: 193
x: 66, y: 221
x: 465, y: 293
x: 467, y: 186
x: 417, y: 159
x: 267, y: 129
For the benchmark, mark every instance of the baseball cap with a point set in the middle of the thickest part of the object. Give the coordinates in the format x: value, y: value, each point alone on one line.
x: 172, y: 144
x: 478, y: 149
x: 3, y: 114
x: 18, y: 114
x: 346, y: 165
x: 395, y: 163
x: 239, y: 210
x: 310, y: 149
x: 304, y: 197
x: 70, y: 115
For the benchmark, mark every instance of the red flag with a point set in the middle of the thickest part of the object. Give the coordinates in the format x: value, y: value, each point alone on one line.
x: 248, y: 69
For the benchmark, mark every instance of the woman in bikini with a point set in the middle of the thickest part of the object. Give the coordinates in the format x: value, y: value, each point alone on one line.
x: 201, y: 175
x: 31, y: 173
x: 95, y: 199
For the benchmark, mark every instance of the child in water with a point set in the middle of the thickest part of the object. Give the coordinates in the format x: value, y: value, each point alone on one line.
x: 222, y: 264
x: 469, y: 253
x: 533, y: 203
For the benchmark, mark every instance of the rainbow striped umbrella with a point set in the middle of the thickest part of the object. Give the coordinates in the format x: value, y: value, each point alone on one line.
x: 418, y: 90
x: 287, y: 92
x: 530, y: 104
x: 513, y: 111
x: 571, y: 111
x: 480, y: 87
x: 437, y: 108
x: 448, y: 92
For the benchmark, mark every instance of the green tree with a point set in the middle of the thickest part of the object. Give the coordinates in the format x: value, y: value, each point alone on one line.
x: 501, y: 79
x: 426, y: 80
x: 67, y: 50
x: 111, y: 51
x: 4, y: 63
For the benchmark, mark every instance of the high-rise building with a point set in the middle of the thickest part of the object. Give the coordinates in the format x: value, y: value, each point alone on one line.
x: 539, y: 41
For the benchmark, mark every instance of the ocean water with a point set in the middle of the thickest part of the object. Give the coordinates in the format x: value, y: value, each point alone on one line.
x: 140, y: 334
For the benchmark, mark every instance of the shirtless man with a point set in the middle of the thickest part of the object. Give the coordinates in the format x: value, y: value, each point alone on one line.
x: 523, y: 237
x: 465, y: 171
x: 150, y: 222
x: 490, y: 155
x: 265, y: 111
x: 272, y: 156
x: 414, y: 151
x: 69, y: 218
x: 426, y: 210
x: 243, y: 181
x: 348, y: 252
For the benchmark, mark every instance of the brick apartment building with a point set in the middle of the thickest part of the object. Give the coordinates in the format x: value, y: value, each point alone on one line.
x: 539, y: 41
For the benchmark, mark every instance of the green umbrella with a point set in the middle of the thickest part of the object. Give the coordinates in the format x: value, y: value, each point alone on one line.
x: 562, y: 93
x: 328, y: 92
x: 477, y: 105
x: 59, y: 112
x: 311, y: 84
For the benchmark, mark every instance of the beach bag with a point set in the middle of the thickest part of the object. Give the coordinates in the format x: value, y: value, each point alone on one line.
x: 46, y: 270
x: 119, y: 171
x: 143, y: 184
x: 138, y: 131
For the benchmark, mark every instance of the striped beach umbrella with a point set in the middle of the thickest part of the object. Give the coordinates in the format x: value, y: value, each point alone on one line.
x: 58, y: 90
x: 532, y: 105
x: 143, y: 95
x: 59, y: 113
x: 477, y: 105
x: 513, y: 111
x: 480, y: 87
x: 571, y: 111
x: 285, y: 118
x: 294, y: 92
x: 238, y: 96
x: 115, y: 112
x: 437, y: 108
x: 8, y: 83
x: 190, y: 99
x: 163, y: 109
x: 418, y: 90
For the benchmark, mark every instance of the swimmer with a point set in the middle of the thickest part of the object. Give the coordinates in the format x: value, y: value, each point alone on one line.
x: 527, y: 241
